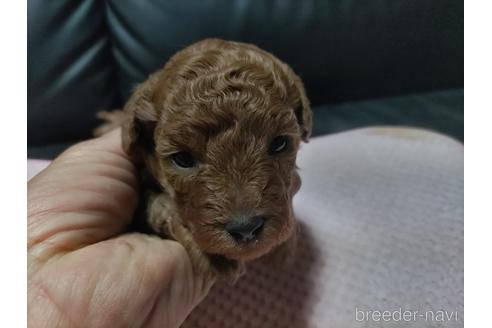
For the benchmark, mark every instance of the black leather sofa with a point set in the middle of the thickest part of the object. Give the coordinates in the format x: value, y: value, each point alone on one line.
x: 388, y: 62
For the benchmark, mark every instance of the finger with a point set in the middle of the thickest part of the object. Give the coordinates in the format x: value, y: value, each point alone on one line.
x: 169, y: 276
x: 111, y: 141
x: 86, y: 195
x: 131, y: 278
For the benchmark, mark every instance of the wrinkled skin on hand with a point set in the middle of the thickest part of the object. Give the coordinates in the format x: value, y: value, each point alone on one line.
x: 83, y: 269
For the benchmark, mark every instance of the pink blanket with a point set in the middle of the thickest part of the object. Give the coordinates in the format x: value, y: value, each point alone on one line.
x: 381, y: 219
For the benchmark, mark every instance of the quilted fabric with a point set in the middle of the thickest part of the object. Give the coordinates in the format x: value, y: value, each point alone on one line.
x: 381, y: 226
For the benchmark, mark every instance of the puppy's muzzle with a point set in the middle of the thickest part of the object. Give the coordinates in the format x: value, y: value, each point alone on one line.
x: 243, y: 229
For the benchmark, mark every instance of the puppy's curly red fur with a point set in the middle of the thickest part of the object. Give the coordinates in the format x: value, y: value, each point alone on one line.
x: 223, y: 103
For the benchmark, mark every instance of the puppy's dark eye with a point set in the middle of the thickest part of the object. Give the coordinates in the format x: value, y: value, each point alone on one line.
x: 278, y: 145
x: 183, y: 159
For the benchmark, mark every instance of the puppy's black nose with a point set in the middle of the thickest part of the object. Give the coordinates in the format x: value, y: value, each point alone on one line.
x: 244, y: 229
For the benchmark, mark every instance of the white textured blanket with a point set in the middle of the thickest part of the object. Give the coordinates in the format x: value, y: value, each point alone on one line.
x: 381, y: 245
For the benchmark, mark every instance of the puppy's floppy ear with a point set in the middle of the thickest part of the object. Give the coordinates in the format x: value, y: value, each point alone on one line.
x: 302, y: 110
x: 138, y: 130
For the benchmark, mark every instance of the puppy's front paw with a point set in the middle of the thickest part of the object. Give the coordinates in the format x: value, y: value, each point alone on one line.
x: 227, y: 270
x: 214, y: 266
x: 200, y: 261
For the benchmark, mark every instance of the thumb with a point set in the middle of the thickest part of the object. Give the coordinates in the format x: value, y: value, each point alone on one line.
x: 157, y: 273
x: 169, y: 276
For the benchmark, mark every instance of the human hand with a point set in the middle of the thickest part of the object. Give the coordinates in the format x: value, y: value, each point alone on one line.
x: 83, y: 270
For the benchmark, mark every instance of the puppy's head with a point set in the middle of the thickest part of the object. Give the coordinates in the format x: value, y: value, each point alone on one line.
x: 219, y: 128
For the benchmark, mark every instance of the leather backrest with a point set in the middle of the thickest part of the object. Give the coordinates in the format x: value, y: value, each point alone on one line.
x: 342, y: 49
x: 70, y: 71
x: 87, y: 55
